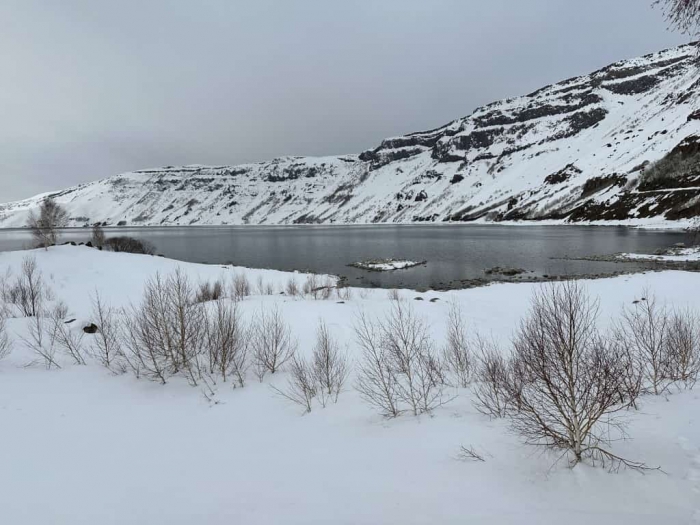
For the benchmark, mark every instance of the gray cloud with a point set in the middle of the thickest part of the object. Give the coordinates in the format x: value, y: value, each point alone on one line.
x: 93, y: 88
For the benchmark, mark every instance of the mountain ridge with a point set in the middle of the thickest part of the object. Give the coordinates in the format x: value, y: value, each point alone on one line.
x: 573, y: 151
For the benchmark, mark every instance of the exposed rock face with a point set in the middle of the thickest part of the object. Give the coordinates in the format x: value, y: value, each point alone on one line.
x: 571, y: 151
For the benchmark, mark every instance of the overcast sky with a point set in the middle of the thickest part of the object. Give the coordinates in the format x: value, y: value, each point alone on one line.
x: 97, y: 87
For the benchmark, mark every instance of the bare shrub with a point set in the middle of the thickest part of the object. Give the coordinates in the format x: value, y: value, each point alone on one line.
x: 469, y: 454
x: 292, y: 288
x: 269, y: 290
x: 344, y: 293
x: 98, y: 236
x: 492, y: 393
x: 399, y: 367
x: 35, y: 341
x: 311, y: 286
x: 330, y: 365
x: 107, y: 342
x: 61, y: 335
x: 260, y: 285
x: 376, y: 381
x: 683, y: 348
x: 271, y: 342
x: 393, y: 295
x: 567, y: 389
x: 28, y: 291
x: 126, y: 244
x: 227, y: 342
x: 209, y: 291
x: 240, y: 287
x: 165, y: 333
x: 645, y: 329
x: 301, y: 386
x: 5, y: 342
x: 44, y: 226
x: 457, y: 353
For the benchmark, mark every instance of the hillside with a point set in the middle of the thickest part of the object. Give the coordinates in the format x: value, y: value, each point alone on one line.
x: 572, y: 151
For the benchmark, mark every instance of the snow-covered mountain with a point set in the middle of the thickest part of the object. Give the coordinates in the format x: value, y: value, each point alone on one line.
x: 572, y: 151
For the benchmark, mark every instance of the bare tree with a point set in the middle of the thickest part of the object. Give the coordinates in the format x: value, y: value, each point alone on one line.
x: 227, y: 342
x: 271, y: 341
x: 457, y: 353
x: 330, y: 365
x: 567, y: 394
x: 107, y: 343
x: 98, y: 236
x: 44, y: 226
x: 682, y: 15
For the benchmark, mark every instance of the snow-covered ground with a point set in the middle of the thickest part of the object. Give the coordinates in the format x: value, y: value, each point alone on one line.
x: 386, y: 265
x: 82, y: 446
x: 677, y: 255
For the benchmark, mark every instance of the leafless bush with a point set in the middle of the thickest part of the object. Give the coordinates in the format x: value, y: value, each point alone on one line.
x: 35, y: 341
x: 271, y: 342
x: 630, y: 386
x: 127, y: 244
x: 567, y: 377
x: 5, y: 342
x: 227, y: 342
x: 344, y: 293
x: 241, y: 286
x: 260, y: 285
x: 61, y: 335
x: 44, y: 226
x: 301, y: 386
x: 399, y: 370
x: 269, y: 289
x: 28, y: 291
x: 98, y: 236
x: 377, y: 381
x: 165, y: 333
x: 457, y: 353
x: 644, y: 329
x: 492, y: 392
x: 209, y: 292
x: 292, y: 288
x: 107, y: 343
x: 683, y: 348
x: 311, y: 287
x: 469, y: 454
x: 330, y: 365
x: 394, y: 295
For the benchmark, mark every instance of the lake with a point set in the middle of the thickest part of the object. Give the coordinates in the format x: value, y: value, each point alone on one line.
x: 454, y: 252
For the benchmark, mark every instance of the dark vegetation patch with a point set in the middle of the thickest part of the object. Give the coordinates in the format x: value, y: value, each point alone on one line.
x: 562, y: 175
x: 128, y: 244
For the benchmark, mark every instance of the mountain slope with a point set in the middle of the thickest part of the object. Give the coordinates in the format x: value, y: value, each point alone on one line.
x: 572, y: 151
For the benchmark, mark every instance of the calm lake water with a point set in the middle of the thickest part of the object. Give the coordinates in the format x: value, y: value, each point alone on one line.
x: 453, y: 252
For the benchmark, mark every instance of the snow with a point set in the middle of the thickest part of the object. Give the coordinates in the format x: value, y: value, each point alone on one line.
x: 82, y: 446
x: 678, y: 255
x: 386, y: 265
